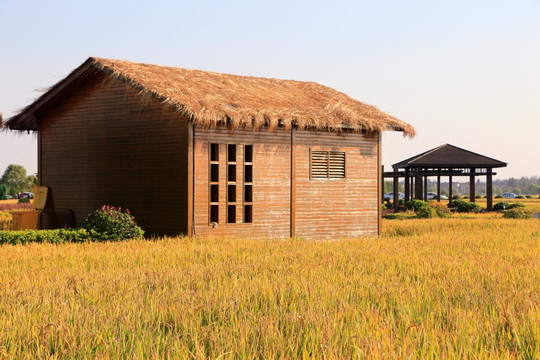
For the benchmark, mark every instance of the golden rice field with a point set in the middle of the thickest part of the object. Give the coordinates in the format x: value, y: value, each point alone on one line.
x: 439, y: 288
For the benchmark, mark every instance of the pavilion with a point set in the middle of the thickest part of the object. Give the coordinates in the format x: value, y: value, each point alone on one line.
x: 445, y: 160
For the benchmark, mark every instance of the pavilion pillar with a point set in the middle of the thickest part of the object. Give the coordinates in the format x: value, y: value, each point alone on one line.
x: 425, y: 188
x: 438, y: 188
x: 396, y: 192
x: 472, y: 193
x: 382, y: 184
x: 489, y: 190
x: 418, y: 186
x: 406, y: 185
x: 450, y: 191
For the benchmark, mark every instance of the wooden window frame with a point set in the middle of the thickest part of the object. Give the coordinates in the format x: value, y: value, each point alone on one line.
x: 247, y: 183
x: 212, y: 183
x: 235, y: 183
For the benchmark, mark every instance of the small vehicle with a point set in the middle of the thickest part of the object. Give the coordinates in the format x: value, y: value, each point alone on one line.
x: 26, y: 195
x: 508, y: 195
x: 433, y: 195
x: 390, y: 196
x: 9, y: 197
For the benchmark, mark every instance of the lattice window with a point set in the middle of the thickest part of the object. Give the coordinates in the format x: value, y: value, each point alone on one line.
x: 327, y: 164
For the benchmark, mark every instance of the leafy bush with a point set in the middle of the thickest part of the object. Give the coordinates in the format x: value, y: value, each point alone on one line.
x: 520, y: 197
x: 529, y: 196
x: 395, y: 216
x: 465, y: 206
x: 110, y: 223
x: 498, y: 197
x: 503, y: 205
x: 426, y: 212
x: 57, y: 236
x: 517, y: 213
x: 456, y: 197
x: 440, y: 209
x: 23, y: 200
x: 415, y: 205
x: 409, y: 214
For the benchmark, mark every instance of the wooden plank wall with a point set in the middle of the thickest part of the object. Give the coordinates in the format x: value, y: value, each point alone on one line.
x: 104, y: 144
x: 271, y: 182
x: 324, y: 208
x: 337, y: 208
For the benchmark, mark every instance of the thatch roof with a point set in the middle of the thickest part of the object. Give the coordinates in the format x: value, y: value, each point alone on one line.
x: 210, y: 99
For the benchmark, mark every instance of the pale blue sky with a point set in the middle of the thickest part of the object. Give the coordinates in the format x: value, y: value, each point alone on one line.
x: 462, y: 72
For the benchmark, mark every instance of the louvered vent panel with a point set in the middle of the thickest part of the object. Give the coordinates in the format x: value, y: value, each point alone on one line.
x: 327, y: 164
x: 319, y: 164
x: 336, y: 164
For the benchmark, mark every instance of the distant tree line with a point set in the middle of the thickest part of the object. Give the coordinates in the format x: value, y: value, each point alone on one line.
x: 15, y: 180
x: 520, y: 186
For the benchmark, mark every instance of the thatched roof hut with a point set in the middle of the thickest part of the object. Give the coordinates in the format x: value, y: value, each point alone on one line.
x: 202, y: 153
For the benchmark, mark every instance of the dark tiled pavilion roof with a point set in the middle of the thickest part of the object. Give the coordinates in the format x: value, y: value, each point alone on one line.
x: 446, y: 156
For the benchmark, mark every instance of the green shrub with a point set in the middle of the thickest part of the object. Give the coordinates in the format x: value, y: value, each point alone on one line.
x: 478, y: 196
x: 517, y: 213
x: 465, y: 206
x: 415, y: 205
x: 529, y: 196
x: 57, y: 236
x: 503, y: 205
x: 440, y: 209
x: 520, y: 197
x: 426, y: 212
x: 456, y: 197
x: 395, y: 216
x: 23, y: 200
x: 113, y: 224
x: 498, y: 197
x: 409, y: 214
x: 465, y: 196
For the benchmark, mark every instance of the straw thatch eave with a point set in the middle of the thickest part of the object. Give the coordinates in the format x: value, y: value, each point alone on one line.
x: 212, y: 99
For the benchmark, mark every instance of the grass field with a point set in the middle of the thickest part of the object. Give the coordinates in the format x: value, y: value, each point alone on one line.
x: 456, y: 288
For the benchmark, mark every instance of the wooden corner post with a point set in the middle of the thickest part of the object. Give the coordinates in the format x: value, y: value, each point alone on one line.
x: 293, y: 182
x: 379, y: 180
x: 190, y: 175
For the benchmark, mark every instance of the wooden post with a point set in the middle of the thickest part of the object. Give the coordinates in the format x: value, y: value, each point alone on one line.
x: 382, y: 184
x: 406, y: 184
x: 489, y: 189
x: 472, y: 193
x: 380, y: 179
x: 396, y: 192
x: 438, y: 188
x: 293, y: 183
x: 39, y: 173
x: 425, y: 188
x: 418, y: 186
x: 450, y: 190
x: 190, y: 175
